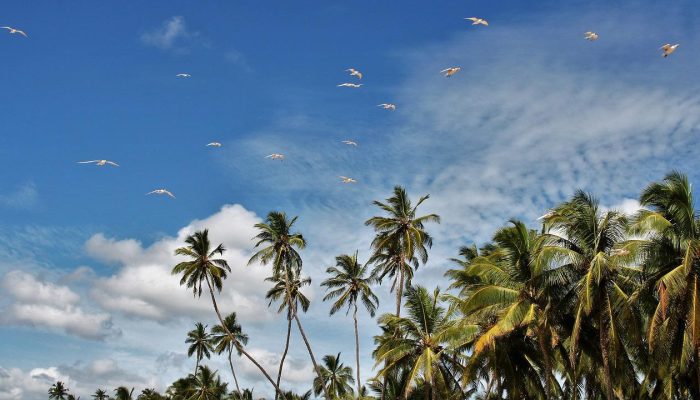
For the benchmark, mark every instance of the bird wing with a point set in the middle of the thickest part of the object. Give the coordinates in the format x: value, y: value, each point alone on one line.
x: 474, y: 19
x: 22, y: 33
x: 153, y: 192
x: 484, y: 22
x: 169, y: 194
x: 88, y: 162
x: 665, y: 47
x: 112, y: 163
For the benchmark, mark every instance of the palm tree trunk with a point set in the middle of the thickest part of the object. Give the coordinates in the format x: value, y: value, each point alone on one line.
x: 399, y: 292
x: 235, y: 380
x: 357, y: 353
x: 196, y: 367
x: 489, y: 386
x: 547, y: 362
x: 233, y: 339
x: 284, y: 354
x: 311, y: 354
x: 604, y: 347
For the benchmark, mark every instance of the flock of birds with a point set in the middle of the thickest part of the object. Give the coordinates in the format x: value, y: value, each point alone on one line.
x: 667, y: 50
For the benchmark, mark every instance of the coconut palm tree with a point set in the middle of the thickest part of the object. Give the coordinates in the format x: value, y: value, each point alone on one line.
x: 208, y: 385
x: 181, y: 389
x: 150, y: 394
x: 123, y: 393
x: 72, y: 397
x: 583, y: 246
x: 58, y: 391
x: 335, y: 377
x: 400, y: 238
x: 200, y: 343
x: 100, y: 395
x: 203, y: 266
x: 223, y: 341
x: 278, y: 245
x: 348, y: 284
x: 293, y: 396
x: 246, y: 394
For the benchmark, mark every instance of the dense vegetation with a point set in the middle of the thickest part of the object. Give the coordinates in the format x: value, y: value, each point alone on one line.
x: 592, y: 304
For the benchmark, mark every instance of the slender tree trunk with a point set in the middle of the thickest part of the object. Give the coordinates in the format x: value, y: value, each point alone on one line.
x: 357, y: 353
x: 196, y: 367
x: 547, y: 362
x: 604, y: 347
x: 235, y: 380
x: 399, y: 292
x: 284, y: 354
x: 311, y: 354
x: 233, y: 338
x: 426, y: 391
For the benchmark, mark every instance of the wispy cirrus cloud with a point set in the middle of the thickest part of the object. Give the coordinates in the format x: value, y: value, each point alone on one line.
x: 24, y: 197
x: 173, y: 35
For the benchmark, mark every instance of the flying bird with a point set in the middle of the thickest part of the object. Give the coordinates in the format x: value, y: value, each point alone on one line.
x: 592, y: 36
x: 276, y: 156
x: 345, y: 179
x: 214, y: 144
x: 161, y: 191
x: 478, y: 21
x: 350, y: 142
x: 13, y: 30
x: 354, y: 72
x: 352, y: 85
x: 99, y: 163
x: 183, y: 75
x: 387, y: 106
x: 450, y: 71
x: 668, y: 49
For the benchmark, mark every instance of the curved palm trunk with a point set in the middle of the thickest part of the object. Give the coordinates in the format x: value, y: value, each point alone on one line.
x: 311, y: 354
x: 284, y: 354
x: 235, y: 380
x: 604, y: 347
x: 239, y: 348
x: 547, y: 363
x: 357, y: 353
x: 399, y: 294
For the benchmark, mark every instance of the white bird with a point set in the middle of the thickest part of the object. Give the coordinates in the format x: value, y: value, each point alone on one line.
x: 214, y: 144
x: 183, y: 75
x: 345, y: 179
x: 276, y: 156
x: 99, y: 163
x: 668, y: 49
x: 592, y: 36
x: 13, y: 30
x: 620, y: 252
x: 161, y: 191
x: 548, y: 214
x: 352, y: 85
x: 350, y: 142
x: 478, y: 21
x: 450, y: 71
x: 354, y: 72
x: 387, y: 106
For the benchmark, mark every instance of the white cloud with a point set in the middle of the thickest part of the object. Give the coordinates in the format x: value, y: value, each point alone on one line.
x: 16, y: 384
x: 24, y: 197
x: 171, y: 35
x: 44, y: 304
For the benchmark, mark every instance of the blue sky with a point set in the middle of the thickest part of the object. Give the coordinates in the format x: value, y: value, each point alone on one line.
x: 535, y: 113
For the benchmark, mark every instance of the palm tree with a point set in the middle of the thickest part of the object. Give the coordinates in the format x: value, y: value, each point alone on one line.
x: 100, y: 395
x: 223, y: 341
x: 58, y: 391
x: 401, y: 238
x: 202, y: 266
x: 335, y: 377
x: 293, y: 396
x: 278, y: 244
x: 347, y: 283
x: 207, y: 385
x: 200, y: 343
x: 670, y: 232
x: 246, y: 394
x: 123, y: 393
x: 181, y: 389
x: 72, y: 397
x: 584, y: 246
x: 421, y: 343
x: 150, y: 394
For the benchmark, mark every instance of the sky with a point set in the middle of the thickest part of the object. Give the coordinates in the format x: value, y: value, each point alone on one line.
x: 535, y: 113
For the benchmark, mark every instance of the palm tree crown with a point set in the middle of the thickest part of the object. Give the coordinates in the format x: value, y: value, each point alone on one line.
x: 335, y: 377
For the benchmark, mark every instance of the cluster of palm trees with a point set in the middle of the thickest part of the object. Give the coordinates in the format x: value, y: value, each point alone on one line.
x: 592, y: 304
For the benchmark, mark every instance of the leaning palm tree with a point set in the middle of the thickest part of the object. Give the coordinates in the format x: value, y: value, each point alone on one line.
x: 348, y: 284
x: 278, y: 245
x: 203, y: 266
x: 335, y: 377
x: 123, y: 393
x: 207, y: 385
x: 100, y: 395
x: 58, y: 391
x: 200, y: 343
x: 223, y: 341
x: 400, y: 237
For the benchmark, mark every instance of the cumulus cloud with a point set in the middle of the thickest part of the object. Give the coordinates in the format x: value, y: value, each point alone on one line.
x: 16, y: 384
x: 45, y: 304
x: 173, y: 34
x: 24, y: 197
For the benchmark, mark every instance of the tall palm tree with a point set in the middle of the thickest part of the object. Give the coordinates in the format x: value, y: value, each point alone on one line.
x: 58, y: 391
x: 400, y: 238
x: 670, y: 240
x: 584, y: 242
x: 200, y: 343
x: 223, y: 341
x: 335, y: 377
x: 348, y: 284
x: 100, y: 395
x: 246, y: 394
x: 150, y: 394
x: 203, y: 266
x: 123, y: 393
x: 207, y: 385
x: 422, y: 343
x: 278, y: 245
